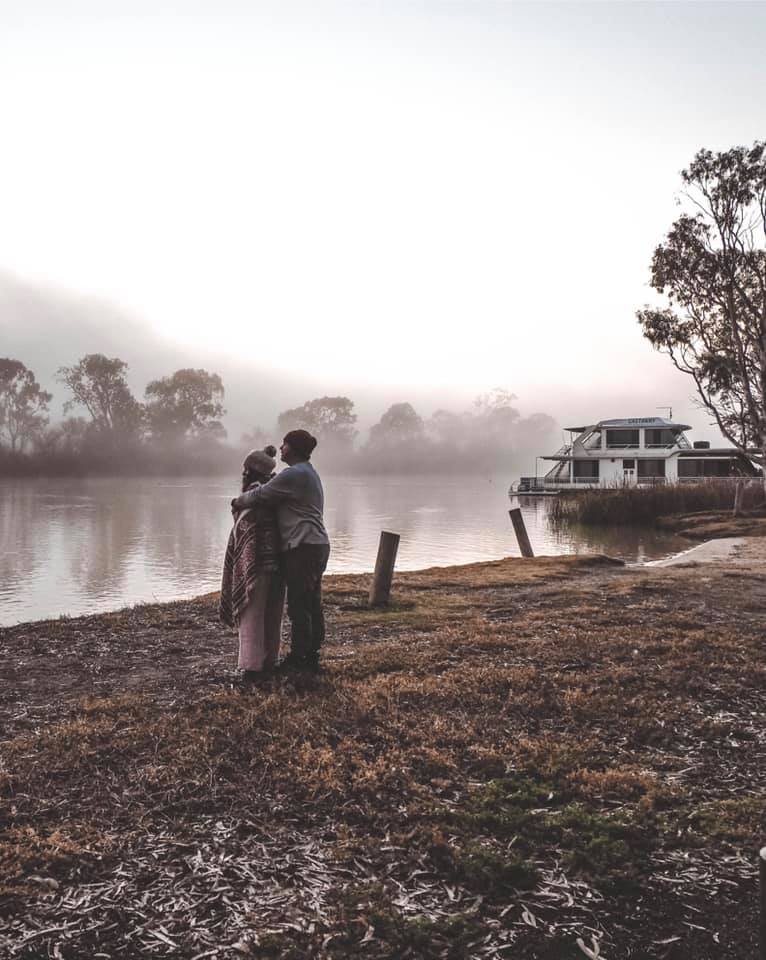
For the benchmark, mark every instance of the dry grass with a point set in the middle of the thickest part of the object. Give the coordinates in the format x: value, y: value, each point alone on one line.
x: 519, y: 759
x: 642, y: 506
x: 712, y: 526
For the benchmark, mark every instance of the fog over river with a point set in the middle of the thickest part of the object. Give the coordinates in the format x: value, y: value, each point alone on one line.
x: 84, y: 545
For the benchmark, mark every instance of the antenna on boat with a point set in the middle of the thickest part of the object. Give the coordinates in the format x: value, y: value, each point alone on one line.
x: 670, y: 411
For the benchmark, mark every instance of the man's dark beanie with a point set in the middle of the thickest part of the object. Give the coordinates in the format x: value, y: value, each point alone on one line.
x: 301, y: 441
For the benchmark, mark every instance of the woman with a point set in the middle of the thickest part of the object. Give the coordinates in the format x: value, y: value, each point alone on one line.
x: 252, y: 590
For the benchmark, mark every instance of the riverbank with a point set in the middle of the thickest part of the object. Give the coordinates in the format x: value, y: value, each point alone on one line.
x: 745, y: 548
x: 520, y: 758
x: 712, y: 525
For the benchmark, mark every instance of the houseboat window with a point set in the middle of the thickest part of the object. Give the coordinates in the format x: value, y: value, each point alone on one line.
x: 706, y: 468
x: 629, y: 464
x: 659, y: 438
x: 621, y: 438
x: 651, y: 468
x: 585, y: 469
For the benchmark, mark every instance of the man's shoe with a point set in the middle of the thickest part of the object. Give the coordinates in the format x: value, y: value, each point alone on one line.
x: 253, y: 677
x: 292, y: 662
x: 312, y: 663
x: 305, y: 664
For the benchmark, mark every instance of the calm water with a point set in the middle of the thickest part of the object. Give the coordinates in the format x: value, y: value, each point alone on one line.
x: 73, y: 546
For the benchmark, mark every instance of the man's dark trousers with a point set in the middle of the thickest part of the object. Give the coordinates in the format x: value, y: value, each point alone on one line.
x: 303, y: 569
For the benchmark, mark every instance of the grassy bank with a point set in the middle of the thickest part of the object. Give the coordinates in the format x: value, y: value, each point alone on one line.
x: 644, y: 505
x: 529, y: 759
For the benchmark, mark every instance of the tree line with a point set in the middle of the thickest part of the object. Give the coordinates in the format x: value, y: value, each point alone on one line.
x: 179, y: 419
x: 178, y: 427
x: 490, y: 435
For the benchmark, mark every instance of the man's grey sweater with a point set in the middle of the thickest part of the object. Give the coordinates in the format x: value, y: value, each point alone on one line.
x: 297, y: 495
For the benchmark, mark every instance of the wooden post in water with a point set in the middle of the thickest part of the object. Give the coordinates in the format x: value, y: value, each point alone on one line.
x: 739, y: 490
x: 521, y: 532
x: 380, y: 591
x: 762, y: 882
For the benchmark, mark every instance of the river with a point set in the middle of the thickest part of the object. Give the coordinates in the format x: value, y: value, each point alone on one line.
x: 84, y: 545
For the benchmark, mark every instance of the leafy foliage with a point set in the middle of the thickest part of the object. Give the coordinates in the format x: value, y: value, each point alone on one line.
x: 23, y: 404
x: 322, y: 416
x: 399, y: 425
x: 98, y: 383
x: 186, y: 404
x: 712, y: 269
x: 328, y: 418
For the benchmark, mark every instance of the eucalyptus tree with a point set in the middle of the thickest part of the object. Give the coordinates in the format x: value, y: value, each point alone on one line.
x: 99, y: 384
x: 188, y: 404
x: 23, y: 404
x: 711, y: 271
x: 330, y: 419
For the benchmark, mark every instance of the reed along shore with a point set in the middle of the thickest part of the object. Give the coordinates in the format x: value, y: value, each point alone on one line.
x: 550, y: 758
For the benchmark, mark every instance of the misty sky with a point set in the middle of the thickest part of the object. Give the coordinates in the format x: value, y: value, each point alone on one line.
x: 392, y: 196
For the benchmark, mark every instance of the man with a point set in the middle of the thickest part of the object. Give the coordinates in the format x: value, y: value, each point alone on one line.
x: 296, y: 494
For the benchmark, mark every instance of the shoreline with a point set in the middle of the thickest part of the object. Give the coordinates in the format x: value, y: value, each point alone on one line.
x: 733, y: 550
x: 563, y: 738
x: 709, y: 551
x: 720, y: 549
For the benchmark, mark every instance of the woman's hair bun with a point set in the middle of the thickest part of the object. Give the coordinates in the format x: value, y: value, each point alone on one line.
x: 270, y: 450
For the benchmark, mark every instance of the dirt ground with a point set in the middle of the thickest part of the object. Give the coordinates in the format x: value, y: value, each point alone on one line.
x: 549, y: 758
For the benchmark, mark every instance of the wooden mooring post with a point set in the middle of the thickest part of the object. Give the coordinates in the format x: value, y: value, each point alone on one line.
x: 762, y: 885
x: 521, y: 532
x: 739, y: 492
x: 380, y: 591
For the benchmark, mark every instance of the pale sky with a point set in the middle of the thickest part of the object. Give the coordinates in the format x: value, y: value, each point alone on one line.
x: 458, y: 195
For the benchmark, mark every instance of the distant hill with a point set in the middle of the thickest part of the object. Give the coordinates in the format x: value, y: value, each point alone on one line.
x: 47, y: 328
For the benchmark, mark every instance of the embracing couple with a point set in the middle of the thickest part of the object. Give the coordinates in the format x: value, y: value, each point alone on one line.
x: 278, y: 542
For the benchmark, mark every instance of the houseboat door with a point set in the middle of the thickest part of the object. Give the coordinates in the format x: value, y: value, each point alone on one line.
x: 629, y: 472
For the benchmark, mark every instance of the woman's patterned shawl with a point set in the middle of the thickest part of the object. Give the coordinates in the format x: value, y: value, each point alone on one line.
x: 252, y: 552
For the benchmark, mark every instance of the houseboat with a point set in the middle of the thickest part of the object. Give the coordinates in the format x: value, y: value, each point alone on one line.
x: 634, y: 451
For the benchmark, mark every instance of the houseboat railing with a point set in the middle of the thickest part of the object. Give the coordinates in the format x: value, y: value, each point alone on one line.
x: 703, y: 479
x: 593, y: 481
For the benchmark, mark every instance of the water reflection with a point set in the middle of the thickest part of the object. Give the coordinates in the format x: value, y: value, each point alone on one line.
x: 85, y: 545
